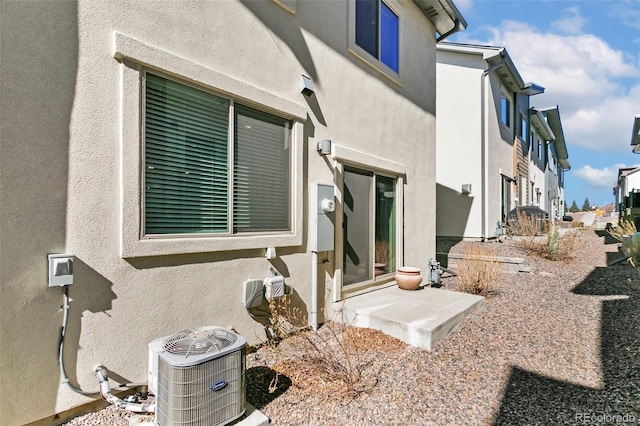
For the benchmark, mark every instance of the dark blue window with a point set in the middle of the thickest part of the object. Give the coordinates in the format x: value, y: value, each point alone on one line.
x: 377, y: 31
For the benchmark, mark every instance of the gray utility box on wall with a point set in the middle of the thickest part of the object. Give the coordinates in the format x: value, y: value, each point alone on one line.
x: 322, y: 212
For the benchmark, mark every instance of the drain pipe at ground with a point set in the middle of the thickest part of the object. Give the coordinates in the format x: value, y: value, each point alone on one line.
x: 105, y: 390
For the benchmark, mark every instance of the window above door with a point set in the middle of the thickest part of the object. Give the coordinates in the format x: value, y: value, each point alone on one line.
x: 374, y: 34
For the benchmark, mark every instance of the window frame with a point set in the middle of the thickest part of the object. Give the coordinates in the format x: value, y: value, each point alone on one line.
x: 134, y: 56
x: 524, y: 127
x: 504, y: 97
x: 232, y: 145
x: 365, y: 56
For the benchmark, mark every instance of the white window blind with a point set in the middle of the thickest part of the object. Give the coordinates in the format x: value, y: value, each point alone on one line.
x: 186, y: 163
x: 261, y: 171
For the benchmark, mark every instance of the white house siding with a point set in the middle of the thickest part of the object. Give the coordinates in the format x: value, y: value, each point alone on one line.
x: 631, y: 182
x: 460, y: 108
x: 66, y: 184
x: 459, y: 152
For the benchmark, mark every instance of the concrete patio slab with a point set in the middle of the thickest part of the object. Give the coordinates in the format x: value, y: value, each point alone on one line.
x: 421, y: 318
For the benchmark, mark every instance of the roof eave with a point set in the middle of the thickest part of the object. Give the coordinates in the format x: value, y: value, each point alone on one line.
x: 444, y: 15
x: 553, y: 118
x: 508, y: 73
x: 540, y: 124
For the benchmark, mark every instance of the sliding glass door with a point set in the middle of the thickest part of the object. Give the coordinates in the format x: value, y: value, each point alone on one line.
x: 369, y: 226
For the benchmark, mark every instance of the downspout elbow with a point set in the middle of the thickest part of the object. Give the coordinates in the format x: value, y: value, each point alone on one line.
x: 455, y: 29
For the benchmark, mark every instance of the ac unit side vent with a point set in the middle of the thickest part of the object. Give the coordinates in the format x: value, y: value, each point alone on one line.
x: 190, y: 395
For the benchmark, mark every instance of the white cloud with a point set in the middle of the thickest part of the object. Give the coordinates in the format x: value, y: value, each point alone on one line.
x: 572, y: 24
x: 625, y: 11
x: 604, y: 178
x: 581, y: 74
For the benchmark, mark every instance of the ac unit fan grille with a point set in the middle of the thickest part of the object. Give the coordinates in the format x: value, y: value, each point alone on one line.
x: 196, y: 341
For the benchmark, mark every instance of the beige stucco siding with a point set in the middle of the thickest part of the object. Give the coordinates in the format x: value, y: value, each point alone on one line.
x: 69, y: 122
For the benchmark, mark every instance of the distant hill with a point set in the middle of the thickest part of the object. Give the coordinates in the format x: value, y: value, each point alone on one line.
x: 608, y: 208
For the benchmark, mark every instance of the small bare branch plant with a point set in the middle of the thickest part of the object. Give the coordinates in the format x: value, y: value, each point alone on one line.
x: 479, y: 271
x: 331, y: 356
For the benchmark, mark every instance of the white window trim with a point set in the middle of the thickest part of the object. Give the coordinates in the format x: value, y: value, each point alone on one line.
x: 135, y: 55
x: 365, y: 56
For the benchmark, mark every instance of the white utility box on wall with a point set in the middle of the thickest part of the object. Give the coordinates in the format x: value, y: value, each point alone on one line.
x: 322, y: 212
x: 60, y: 269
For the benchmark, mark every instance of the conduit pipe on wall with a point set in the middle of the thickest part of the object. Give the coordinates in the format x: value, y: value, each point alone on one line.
x: 63, y: 373
x: 105, y: 390
x: 485, y: 86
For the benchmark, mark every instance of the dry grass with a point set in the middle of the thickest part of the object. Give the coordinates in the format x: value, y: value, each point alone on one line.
x: 479, y: 270
x: 526, y: 226
x: 625, y: 227
x: 553, y: 246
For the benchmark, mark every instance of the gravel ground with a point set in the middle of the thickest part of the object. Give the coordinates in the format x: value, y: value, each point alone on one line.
x: 558, y: 345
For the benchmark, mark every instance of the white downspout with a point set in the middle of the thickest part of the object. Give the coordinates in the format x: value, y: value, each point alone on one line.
x: 313, y: 314
x: 485, y: 85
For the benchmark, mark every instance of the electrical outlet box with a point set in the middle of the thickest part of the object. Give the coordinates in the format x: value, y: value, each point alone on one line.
x: 321, y: 217
x: 252, y: 293
x: 60, y: 269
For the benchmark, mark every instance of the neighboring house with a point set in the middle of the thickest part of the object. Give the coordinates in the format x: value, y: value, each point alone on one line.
x: 541, y: 133
x: 627, y: 189
x: 635, y: 134
x: 168, y: 145
x: 555, y: 163
x: 482, y: 139
x: 627, y: 195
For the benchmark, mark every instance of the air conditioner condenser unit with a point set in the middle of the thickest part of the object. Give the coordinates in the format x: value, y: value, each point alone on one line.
x: 198, y: 377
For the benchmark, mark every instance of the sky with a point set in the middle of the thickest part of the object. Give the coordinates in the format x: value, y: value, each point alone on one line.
x: 586, y: 54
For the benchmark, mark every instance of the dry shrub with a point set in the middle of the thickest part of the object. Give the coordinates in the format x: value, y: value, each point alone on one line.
x: 625, y: 227
x: 527, y: 230
x: 334, y: 357
x: 526, y: 225
x: 479, y: 270
x: 555, y: 246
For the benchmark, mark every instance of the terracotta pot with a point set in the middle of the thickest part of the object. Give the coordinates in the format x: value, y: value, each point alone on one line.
x: 408, y: 277
x: 380, y: 269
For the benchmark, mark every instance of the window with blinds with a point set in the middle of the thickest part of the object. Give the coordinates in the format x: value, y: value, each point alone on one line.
x: 377, y: 31
x: 190, y: 187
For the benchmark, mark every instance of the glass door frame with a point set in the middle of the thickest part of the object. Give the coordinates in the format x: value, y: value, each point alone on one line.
x: 340, y: 291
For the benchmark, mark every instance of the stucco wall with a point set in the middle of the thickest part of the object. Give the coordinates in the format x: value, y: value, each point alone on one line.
x: 62, y: 167
x: 464, y: 98
x: 459, y: 144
